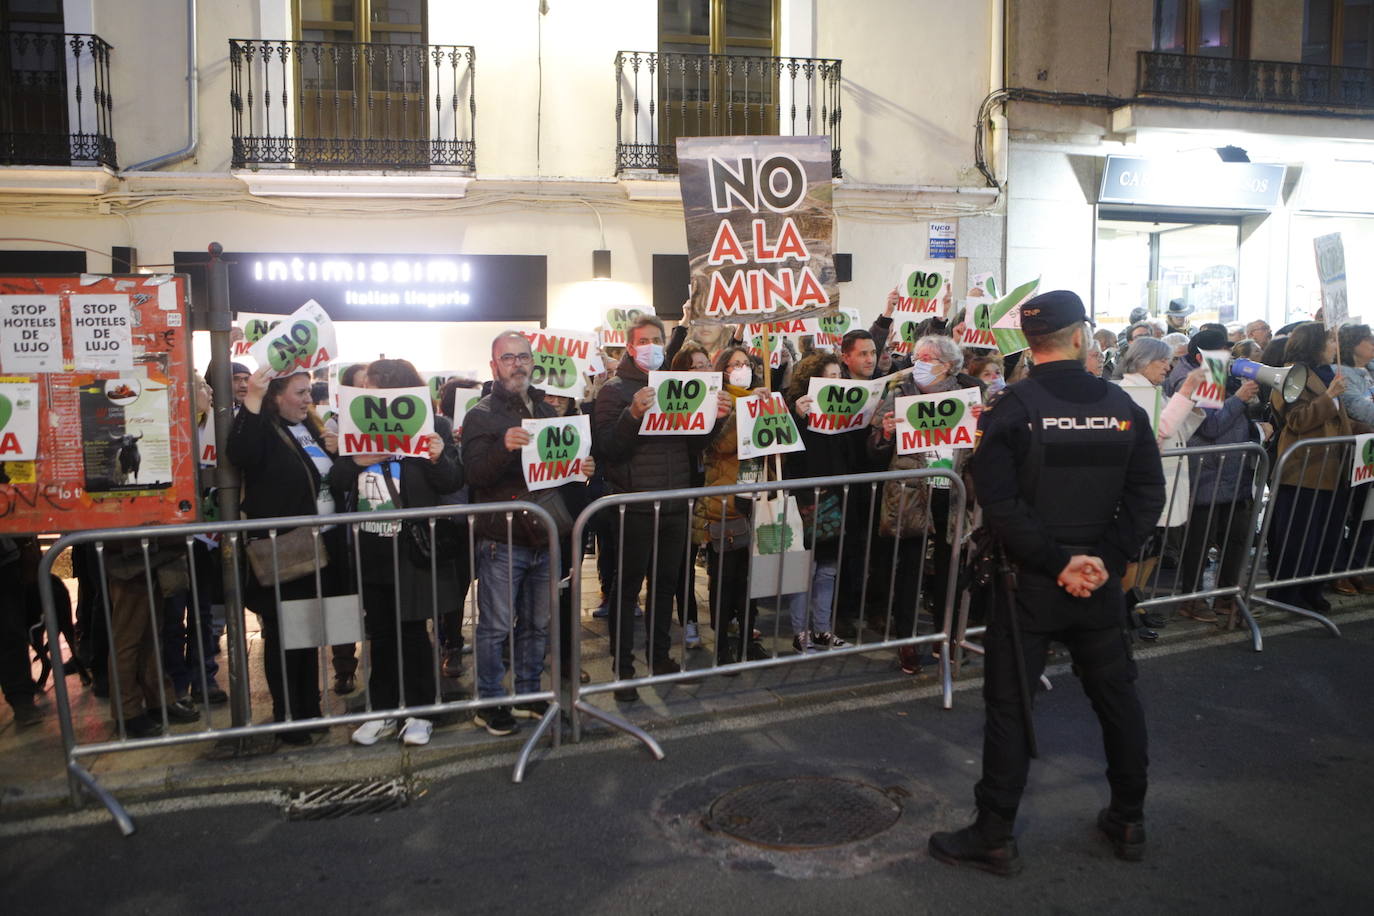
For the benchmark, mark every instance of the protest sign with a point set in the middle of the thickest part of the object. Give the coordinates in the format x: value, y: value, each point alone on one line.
x: 760, y: 227
x: 1362, y: 468
x: 101, y: 332
x: 616, y: 321
x: 304, y: 341
x: 562, y: 361
x: 385, y: 421
x: 435, y: 382
x: 921, y: 292
x: 206, y: 448
x: 983, y: 285
x: 927, y: 422
x: 558, y: 447
x: 827, y: 331
x: 777, y: 331
x: 18, y: 420
x: 840, y: 404
x: 684, y: 402
x: 764, y: 426
x: 1212, y: 391
x: 30, y: 334
x: 464, y: 400
x: 1330, y: 253
x: 1000, y: 318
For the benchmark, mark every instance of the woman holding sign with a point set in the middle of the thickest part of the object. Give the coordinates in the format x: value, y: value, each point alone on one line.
x: 916, y: 510
x: 407, y: 574
x: 285, y: 457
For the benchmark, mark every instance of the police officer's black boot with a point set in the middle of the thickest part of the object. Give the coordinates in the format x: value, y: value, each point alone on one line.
x: 987, y: 843
x: 1125, y: 832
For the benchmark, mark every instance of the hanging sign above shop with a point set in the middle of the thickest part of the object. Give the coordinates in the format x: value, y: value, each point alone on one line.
x: 1189, y: 181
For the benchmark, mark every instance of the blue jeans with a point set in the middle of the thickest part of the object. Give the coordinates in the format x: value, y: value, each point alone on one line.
x: 512, y: 587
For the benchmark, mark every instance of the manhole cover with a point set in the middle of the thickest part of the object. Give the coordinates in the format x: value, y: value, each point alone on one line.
x: 345, y: 800
x: 803, y: 813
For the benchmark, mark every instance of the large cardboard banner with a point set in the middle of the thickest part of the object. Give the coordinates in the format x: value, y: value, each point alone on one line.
x: 562, y: 361
x: 558, y: 447
x: 764, y: 426
x: 760, y: 227
x: 385, y: 421
x: 840, y: 404
x: 18, y: 420
x: 684, y: 403
x: 114, y: 445
x: 303, y: 342
x: 1330, y: 253
x: 930, y: 422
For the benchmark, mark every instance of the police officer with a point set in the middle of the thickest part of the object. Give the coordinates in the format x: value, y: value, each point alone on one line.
x: 1069, y: 478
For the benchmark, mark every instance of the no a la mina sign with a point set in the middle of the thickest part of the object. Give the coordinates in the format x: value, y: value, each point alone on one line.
x: 18, y: 420
x: 684, y: 403
x: 304, y: 341
x: 1362, y: 471
x: 557, y: 452
x: 385, y: 421
x: 764, y: 426
x: 944, y: 419
x: 839, y: 405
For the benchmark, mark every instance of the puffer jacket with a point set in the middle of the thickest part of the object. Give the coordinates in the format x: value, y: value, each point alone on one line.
x: 640, y: 464
x: 1224, y: 477
x: 1314, y: 415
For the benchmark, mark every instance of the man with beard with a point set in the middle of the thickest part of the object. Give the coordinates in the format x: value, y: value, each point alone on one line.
x: 1069, y: 478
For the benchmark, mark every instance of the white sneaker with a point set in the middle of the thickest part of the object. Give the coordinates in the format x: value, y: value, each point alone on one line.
x: 693, y: 640
x: 416, y: 731
x: 369, y: 733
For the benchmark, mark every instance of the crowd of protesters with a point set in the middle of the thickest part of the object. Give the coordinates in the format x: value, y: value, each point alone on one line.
x: 886, y: 550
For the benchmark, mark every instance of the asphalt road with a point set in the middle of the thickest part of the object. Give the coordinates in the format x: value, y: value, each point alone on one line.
x: 1262, y: 801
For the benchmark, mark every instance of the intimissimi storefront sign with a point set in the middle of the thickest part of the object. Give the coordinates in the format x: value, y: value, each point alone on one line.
x: 382, y: 287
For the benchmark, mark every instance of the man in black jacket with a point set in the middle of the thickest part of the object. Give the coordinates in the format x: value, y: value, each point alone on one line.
x: 645, y: 464
x: 512, y: 558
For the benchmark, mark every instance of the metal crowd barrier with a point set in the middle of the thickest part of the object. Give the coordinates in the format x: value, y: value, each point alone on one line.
x: 856, y: 492
x: 1312, y: 535
x: 139, y: 579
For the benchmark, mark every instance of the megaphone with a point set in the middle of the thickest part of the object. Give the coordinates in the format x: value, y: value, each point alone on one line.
x: 1289, y: 381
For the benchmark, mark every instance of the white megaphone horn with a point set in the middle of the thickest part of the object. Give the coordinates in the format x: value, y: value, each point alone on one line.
x: 1289, y: 381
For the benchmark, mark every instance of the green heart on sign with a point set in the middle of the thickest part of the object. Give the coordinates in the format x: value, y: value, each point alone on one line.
x: 774, y: 538
x: 621, y: 319
x: 472, y: 402
x: 380, y: 415
x: 436, y: 386
x: 300, y: 341
x: 928, y: 415
x: 6, y: 411
x: 553, y: 371
x: 909, y: 332
x: 841, y: 401
x: 836, y: 324
x: 256, y: 329
x: 922, y: 285
x: 1368, y: 446
x: 678, y: 396
x: 558, y: 444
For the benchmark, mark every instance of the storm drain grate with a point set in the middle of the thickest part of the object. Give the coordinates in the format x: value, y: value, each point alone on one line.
x: 803, y: 813
x: 347, y: 800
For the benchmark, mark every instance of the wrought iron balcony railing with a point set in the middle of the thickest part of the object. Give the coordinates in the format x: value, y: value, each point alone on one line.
x: 359, y: 105
x: 1265, y: 81
x: 660, y: 97
x: 55, y: 105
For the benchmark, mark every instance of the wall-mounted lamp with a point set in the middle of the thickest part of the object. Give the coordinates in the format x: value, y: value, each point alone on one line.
x: 601, y: 263
x: 1232, y: 154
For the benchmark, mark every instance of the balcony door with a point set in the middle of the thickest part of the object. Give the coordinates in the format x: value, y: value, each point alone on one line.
x: 361, y: 81
x: 33, y: 72
x: 723, y: 95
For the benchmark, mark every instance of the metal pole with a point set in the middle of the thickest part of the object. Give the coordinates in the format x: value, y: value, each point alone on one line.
x: 227, y: 482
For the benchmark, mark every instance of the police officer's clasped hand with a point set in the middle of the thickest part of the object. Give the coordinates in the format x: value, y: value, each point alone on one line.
x: 1082, y: 575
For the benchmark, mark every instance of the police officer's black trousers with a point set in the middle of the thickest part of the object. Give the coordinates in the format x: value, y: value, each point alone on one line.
x: 1103, y: 664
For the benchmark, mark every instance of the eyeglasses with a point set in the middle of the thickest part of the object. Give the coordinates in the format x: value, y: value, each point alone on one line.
x: 510, y: 359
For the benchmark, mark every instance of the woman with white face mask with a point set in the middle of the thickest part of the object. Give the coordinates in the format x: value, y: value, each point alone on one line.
x: 922, y: 511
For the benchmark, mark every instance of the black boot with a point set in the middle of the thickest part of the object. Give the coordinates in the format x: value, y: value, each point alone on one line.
x: 1127, y: 835
x: 987, y: 843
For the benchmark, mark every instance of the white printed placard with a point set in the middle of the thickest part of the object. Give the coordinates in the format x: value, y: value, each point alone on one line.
x: 616, y: 321
x: 764, y: 426
x: 827, y: 331
x: 102, y: 332
x: 559, y: 446
x: 562, y: 361
x: 943, y: 419
x: 684, y: 403
x: 385, y: 421
x: 30, y: 334
x: 463, y: 401
x: 303, y: 342
x: 1362, y: 468
x: 206, y: 449
x: 18, y: 421
x: 839, y: 405
x: 1211, y: 392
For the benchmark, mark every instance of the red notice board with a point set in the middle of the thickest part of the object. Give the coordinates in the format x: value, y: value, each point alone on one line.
x: 110, y: 356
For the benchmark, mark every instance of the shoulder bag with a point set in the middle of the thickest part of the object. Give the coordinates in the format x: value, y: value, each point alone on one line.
x: 295, y: 550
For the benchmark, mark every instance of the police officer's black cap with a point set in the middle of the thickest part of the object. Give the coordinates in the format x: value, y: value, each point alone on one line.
x: 1052, y: 311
